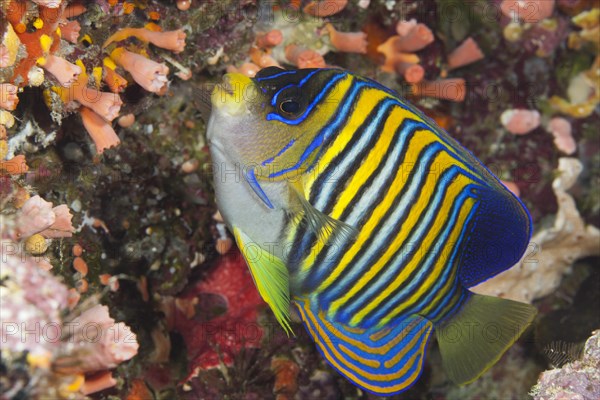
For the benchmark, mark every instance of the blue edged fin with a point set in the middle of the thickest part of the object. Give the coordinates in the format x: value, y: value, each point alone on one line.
x: 251, y: 179
x: 481, y: 331
x: 270, y: 276
x: 499, y: 235
x: 383, y: 361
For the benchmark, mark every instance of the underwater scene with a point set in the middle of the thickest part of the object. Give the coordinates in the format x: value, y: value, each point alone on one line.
x: 300, y: 199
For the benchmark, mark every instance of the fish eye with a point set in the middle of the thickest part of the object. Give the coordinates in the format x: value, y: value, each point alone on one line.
x: 289, y: 106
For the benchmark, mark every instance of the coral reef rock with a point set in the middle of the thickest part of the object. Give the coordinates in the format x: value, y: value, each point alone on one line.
x: 578, y: 380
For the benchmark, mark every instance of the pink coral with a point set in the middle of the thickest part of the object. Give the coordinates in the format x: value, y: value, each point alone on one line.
x: 520, y: 121
x: 65, y: 72
x: 31, y: 297
x: 8, y: 96
x: 35, y: 216
x: 350, y: 42
x: 62, y: 226
x: 560, y: 128
x: 101, y: 132
x: 149, y: 74
x: 38, y: 216
x: 531, y: 11
x: 97, y: 342
x: 468, y: 52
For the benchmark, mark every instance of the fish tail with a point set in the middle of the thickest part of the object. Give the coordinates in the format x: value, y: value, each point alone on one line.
x: 383, y: 361
x: 474, y: 339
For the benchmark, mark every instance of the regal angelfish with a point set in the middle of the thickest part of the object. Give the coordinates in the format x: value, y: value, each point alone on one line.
x: 349, y: 203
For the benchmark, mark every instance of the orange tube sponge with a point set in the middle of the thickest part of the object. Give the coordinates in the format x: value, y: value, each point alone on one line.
x: 393, y: 57
x: 116, y: 83
x: 149, y: 74
x: 468, y: 52
x: 70, y: 31
x: 107, y: 105
x: 453, y: 89
x: 413, y: 36
x: 15, y: 166
x: 101, y: 132
x: 169, y: 40
x: 8, y: 96
x: 325, y: 8
x: 269, y: 39
x: 74, y: 10
x: 98, y: 382
x: 262, y: 59
x: 512, y: 187
x: 412, y: 73
x: 65, y: 72
x: 303, y: 57
x: 349, y: 42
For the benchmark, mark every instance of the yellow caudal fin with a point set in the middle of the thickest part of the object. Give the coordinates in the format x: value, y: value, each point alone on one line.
x: 270, y: 275
x: 482, y: 330
x: 384, y: 361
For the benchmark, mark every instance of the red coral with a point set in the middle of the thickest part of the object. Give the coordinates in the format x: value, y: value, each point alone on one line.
x: 211, y: 340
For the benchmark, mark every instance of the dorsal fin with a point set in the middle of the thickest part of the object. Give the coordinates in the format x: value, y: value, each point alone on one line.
x: 499, y: 235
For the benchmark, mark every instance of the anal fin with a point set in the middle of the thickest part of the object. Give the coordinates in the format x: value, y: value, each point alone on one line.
x: 383, y: 361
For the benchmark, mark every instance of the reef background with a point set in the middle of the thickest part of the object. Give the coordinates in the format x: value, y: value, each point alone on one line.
x: 144, y: 212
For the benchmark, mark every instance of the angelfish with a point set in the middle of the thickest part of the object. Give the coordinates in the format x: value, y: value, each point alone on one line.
x: 350, y: 204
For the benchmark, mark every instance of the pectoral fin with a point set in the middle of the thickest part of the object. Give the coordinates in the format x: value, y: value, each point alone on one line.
x: 270, y: 276
x: 325, y: 227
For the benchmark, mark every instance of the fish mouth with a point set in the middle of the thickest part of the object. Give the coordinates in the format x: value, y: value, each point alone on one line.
x: 231, y: 96
x: 226, y: 85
